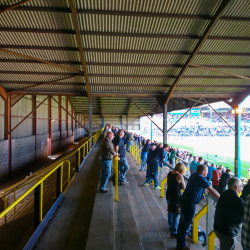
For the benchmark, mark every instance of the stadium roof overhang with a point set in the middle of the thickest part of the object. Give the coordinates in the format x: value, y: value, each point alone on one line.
x: 169, y: 51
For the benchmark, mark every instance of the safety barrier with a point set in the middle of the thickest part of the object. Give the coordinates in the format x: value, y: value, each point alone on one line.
x: 115, y: 166
x: 41, y: 176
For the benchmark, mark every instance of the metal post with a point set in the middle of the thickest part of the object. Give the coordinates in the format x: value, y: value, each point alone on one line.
x: 165, y: 117
x: 127, y: 122
x: 209, y: 217
x: 38, y: 203
x: 121, y: 123
x: 152, y: 129
x: 161, y: 174
x: 60, y: 116
x: 90, y: 119
x: 59, y: 180
x: 50, y: 125
x: 67, y: 117
x: 7, y: 132
x: 102, y: 123
x: 237, y: 163
x: 77, y: 157
x: 34, y: 122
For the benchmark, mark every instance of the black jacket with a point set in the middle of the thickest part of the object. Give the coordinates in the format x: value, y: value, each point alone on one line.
x: 229, y: 213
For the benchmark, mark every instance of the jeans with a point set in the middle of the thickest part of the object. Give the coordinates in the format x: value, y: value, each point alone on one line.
x: 187, y: 215
x: 203, y: 234
x: 106, y: 172
x: 173, y: 220
x: 154, y: 172
x: 143, y: 164
x: 149, y: 170
x: 123, y: 168
x: 128, y: 145
x: 226, y: 242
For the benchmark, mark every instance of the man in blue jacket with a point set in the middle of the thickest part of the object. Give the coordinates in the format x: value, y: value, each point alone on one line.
x: 192, y: 195
x: 122, y: 163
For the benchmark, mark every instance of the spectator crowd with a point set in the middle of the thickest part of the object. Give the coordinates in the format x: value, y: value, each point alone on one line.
x: 231, y: 210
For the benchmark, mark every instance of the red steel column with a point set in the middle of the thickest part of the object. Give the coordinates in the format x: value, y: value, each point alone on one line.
x: 50, y: 126
x: 34, y: 122
x: 7, y: 129
x: 67, y: 116
x: 60, y: 116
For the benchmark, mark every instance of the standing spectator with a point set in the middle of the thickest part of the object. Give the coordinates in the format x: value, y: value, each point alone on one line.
x: 144, y: 154
x: 246, y: 191
x: 149, y: 169
x: 130, y: 140
x: 245, y: 233
x: 193, y: 165
x: 107, y: 130
x: 156, y: 156
x: 190, y: 159
x: 122, y: 163
x: 192, y: 195
x: 229, y: 215
x: 175, y: 182
x: 216, y: 178
x: 172, y: 156
x: 106, y: 154
x: 210, y: 170
x: 223, y: 180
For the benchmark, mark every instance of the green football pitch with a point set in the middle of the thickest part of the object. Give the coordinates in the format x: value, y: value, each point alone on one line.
x: 225, y: 161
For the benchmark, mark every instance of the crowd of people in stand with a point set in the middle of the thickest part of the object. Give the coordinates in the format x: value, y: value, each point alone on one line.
x: 231, y: 210
x: 200, y: 130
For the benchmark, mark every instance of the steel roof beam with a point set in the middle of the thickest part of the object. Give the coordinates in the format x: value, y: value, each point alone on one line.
x: 42, y: 61
x: 224, y: 4
x: 6, y: 8
x: 57, y: 82
x: 153, y: 52
x: 80, y: 46
x: 163, y: 77
x: 123, y: 13
x: 122, y: 76
x: 128, y: 64
x: 126, y: 94
x: 11, y: 72
x: 117, y: 34
x: 43, y: 83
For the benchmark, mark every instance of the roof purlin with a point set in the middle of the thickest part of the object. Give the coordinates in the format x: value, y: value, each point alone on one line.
x: 79, y: 43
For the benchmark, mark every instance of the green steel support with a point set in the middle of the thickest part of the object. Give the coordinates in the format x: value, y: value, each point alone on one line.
x: 237, y: 163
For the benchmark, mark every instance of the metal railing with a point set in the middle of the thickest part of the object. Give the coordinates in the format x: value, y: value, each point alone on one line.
x: 207, y: 209
x: 39, y: 178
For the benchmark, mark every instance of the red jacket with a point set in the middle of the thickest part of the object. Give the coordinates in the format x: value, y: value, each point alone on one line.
x: 216, y: 177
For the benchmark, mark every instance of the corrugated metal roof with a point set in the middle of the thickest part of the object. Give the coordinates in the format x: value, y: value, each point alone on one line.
x: 112, y: 79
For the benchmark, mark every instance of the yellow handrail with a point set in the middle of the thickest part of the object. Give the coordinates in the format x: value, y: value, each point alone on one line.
x: 34, y: 177
x: 162, y: 186
x: 139, y: 159
x: 116, y: 178
x: 197, y: 217
x: 211, y: 238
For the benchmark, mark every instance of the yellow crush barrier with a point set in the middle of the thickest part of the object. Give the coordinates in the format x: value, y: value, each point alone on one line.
x: 116, y: 178
x: 162, y: 186
x: 197, y: 217
x: 139, y: 159
x: 211, y: 238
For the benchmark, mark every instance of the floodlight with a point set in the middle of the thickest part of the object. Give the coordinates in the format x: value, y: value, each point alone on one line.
x: 238, y: 111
